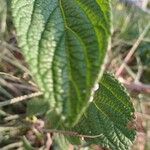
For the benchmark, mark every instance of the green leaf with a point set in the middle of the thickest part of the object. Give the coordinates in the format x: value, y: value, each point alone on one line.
x: 60, y: 143
x: 37, y: 107
x: 64, y: 43
x: 109, y: 117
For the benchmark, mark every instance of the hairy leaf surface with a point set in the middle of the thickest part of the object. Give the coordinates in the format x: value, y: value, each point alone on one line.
x: 64, y: 43
x: 109, y: 117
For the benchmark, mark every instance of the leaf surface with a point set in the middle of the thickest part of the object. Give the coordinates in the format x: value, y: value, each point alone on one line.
x: 64, y: 42
x: 109, y: 117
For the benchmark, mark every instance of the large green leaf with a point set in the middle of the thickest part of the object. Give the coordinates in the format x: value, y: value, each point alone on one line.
x: 110, y: 117
x: 64, y: 43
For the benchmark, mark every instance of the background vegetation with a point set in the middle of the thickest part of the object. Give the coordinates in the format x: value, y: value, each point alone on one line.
x: 128, y: 58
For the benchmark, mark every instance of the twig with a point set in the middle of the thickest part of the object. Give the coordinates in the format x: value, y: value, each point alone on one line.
x: 10, y: 86
x: 135, y: 5
x: 143, y: 115
x: 11, y: 117
x: 12, y: 146
x: 130, y: 72
x: 72, y: 133
x: 3, y: 113
x: 138, y: 87
x: 132, y: 50
x: 48, y: 142
x: 19, y: 99
x: 9, y: 46
x: 140, y: 70
x: 25, y: 86
x: 3, y: 129
x: 9, y: 75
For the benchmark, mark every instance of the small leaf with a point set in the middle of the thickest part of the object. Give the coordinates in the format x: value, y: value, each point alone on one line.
x: 64, y: 43
x: 108, y: 117
x: 60, y: 143
x: 37, y: 107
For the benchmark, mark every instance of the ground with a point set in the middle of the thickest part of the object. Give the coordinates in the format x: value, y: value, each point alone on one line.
x: 129, y: 59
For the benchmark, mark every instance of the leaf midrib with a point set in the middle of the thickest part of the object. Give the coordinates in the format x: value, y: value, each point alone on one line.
x: 84, y: 48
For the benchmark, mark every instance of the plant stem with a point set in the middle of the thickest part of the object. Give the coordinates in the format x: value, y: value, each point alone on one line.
x: 72, y: 133
x: 132, y: 50
x: 19, y: 99
x: 12, y: 146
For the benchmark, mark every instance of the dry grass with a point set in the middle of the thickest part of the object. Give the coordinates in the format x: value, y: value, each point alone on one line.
x: 15, y: 80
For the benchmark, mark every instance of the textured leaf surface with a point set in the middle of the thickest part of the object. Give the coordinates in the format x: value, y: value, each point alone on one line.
x: 64, y: 43
x: 109, y: 116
